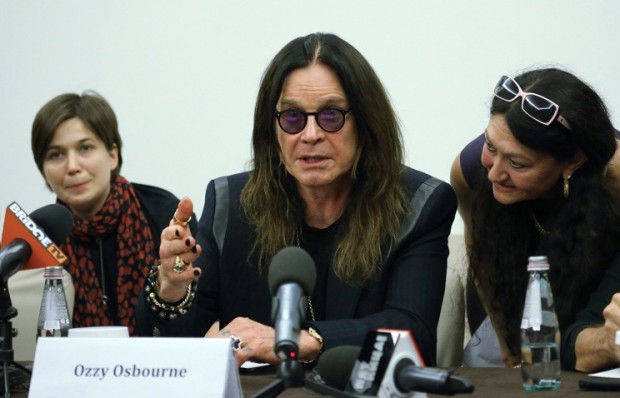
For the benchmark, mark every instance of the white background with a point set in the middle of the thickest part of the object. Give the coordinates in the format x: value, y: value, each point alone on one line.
x: 182, y: 76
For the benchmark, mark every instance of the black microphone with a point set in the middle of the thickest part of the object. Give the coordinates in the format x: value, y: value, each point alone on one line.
x: 409, y: 377
x: 335, y: 366
x: 55, y: 220
x: 12, y: 257
x: 292, y: 276
x: 333, y: 371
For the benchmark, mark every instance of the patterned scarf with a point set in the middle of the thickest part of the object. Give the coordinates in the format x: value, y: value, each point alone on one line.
x: 121, y: 215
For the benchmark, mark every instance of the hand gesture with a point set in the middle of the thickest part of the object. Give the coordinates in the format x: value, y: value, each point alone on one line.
x: 177, y: 251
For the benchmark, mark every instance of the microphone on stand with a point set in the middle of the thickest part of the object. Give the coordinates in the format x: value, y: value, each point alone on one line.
x: 39, y: 233
x: 28, y: 242
x: 292, y: 276
x: 25, y: 245
x: 12, y: 257
x: 336, y: 368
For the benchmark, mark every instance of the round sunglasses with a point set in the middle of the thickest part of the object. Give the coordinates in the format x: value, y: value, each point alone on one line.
x: 293, y: 121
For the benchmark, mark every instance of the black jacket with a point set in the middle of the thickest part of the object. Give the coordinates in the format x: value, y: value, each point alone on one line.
x: 407, y: 294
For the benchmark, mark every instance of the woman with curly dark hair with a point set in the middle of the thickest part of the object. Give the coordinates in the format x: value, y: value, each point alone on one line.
x: 538, y: 183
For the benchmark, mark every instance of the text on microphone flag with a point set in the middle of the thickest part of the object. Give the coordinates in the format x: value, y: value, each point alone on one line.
x: 17, y: 224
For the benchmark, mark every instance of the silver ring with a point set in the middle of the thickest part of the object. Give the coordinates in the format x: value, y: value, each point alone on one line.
x: 236, y: 342
x: 179, y: 265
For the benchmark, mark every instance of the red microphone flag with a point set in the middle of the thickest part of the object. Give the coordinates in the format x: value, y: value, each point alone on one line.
x: 17, y: 224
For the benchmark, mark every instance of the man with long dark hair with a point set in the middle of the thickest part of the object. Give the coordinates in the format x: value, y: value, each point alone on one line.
x: 327, y: 176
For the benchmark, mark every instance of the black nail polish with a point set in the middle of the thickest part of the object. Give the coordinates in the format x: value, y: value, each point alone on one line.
x: 187, y: 243
x: 194, y: 250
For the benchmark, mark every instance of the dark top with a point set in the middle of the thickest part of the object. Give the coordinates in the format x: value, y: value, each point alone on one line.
x: 407, y: 293
x: 158, y: 206
x: 590, y: 314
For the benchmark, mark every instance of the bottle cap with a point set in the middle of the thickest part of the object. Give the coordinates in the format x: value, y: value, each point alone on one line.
x: 538, y: 263
x: 53, y: 272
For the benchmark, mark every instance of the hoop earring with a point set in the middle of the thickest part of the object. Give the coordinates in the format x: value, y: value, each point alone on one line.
x: 566, y: 190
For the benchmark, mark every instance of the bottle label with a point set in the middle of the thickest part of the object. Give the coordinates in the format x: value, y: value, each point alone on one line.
x: 54, y: 316
x: 532, y: 311
x: 545, y: 292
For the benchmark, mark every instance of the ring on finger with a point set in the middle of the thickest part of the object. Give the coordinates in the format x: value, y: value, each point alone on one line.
x: 236, y: 342
x: 179, y: 265
x: 179, y: 222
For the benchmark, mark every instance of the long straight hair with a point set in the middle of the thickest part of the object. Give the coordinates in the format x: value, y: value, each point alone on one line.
x: 377, y: 202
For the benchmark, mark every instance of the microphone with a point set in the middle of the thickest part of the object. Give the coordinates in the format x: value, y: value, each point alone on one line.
x: 333, y: 371
x: 12, y: 257
x: 409, y: 377
x: 336, y: 364
x: 338, y: 369
x: 292, y: 275
x: 55, y: 220
x: 21, y: 230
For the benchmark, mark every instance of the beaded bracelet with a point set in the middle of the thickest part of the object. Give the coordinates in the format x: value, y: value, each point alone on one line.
x: 161, y: 307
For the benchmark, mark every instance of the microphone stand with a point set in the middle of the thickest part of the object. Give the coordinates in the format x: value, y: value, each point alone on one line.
x: 291, y: 374
x: 7, y: 312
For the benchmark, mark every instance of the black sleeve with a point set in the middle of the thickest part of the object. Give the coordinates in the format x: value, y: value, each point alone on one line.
x: 592, y: 314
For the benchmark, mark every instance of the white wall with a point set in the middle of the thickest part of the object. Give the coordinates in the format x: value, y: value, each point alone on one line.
x: 182, y: 76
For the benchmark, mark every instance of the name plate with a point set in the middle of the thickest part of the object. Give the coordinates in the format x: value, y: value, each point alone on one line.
x: 134, y: 367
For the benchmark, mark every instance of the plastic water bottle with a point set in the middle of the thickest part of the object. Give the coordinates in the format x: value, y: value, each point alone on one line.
x: 54, y: 319
x: 540, y: 332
